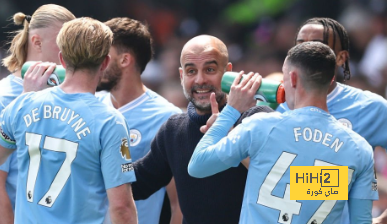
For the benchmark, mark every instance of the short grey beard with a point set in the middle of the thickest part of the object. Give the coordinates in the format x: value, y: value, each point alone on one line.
x: 206, y: 107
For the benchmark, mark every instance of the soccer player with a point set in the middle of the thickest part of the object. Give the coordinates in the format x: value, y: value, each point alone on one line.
x: 143, y: 109
x: 216, y: 199
x: 72, y: 150
x: 35, y: 42
x: 354, y: 108
x: 277, y: 141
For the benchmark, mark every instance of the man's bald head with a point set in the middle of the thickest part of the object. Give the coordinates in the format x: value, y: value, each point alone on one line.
x: 204, y: 59
x: 204, y: 43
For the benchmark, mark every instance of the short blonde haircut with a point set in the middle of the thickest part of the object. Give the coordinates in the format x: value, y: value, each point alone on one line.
x: 84, y: 43
x: 43, y: 17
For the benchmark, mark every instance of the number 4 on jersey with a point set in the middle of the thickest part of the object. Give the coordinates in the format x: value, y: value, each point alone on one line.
x: 288, y: 207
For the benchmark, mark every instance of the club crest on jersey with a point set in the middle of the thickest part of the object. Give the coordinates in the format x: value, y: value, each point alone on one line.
x: 345, y: 122
x: 53, y: 80
x: 124, y: 149
x: 135, y: 137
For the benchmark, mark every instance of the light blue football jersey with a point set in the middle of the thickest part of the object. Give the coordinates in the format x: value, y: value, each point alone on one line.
x: 362, y: 111
x: 10, y: 88
x: 145, y: 115
x: 274, y: 141
x: 70, y: 148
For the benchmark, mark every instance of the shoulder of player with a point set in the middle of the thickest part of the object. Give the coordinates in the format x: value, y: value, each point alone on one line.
x: 101, y: 111
x: 359, y: 142
x: 252, y: 111
x: 5, y: 82
x: 257, y: 109
x: 29, y: 96
x: 11, y: 86
x: 363, y: 96
x: 263, y: 119
x: 101, y: 95
x: 8, y: 79
x: 18, y: 103
x: 160, y: 102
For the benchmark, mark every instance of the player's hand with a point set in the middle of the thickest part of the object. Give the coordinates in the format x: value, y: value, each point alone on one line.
x: 242, y: 93
x: 36, y: 77
x: 214, y: 116
x: 379, y: 220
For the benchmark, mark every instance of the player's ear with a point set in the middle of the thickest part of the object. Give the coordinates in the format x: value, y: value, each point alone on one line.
x: 61, y: 59
x: 181, y: 74
x: 36, y: 42
x: 333, y: 79
x: 341, y: 57
x: 126, y: 59
x: 105, y: 62
x: 293, y: 79
x: 229, y: 67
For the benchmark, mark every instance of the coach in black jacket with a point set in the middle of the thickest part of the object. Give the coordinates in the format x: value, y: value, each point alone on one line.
x: 215, y: 199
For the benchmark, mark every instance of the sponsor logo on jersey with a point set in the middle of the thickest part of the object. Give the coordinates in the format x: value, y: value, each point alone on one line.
x: 135, y: 137
x: 345, y: 122
x: 374, y: 186
x: 6, y: 137
x: 124, y: 149
x: 126, y: 167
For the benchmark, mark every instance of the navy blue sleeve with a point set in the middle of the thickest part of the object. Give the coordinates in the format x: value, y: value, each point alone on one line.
x: 152, y: 171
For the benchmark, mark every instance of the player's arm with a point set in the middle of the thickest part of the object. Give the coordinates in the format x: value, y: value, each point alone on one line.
x: 360, y: 211
x: 7, y: 142
x: 248, y: 113
x: 210, y: 155
x: 364, y: 189
x: 176, y: 215
x: 215, y: 152
x: 4, y: 153
x: 117, y: 169
x: 121, y: 205
x: 210, y: 122
x: 382, y: 219
x: 6, y: 211
x: 245, y: 114
x: 246, y: 162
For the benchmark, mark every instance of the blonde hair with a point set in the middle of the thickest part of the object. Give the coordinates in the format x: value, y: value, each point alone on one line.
x: 84, y: 43
x: 43, y: 17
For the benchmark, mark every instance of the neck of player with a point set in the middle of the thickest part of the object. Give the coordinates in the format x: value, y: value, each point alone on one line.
x: 129, y: 88
x: 81, y: 81
x: 311, y: 100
